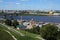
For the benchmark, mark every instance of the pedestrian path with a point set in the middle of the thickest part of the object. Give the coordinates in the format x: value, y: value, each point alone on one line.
x: 11, y: 35
x: 13, y: 30
x: 17, y: 32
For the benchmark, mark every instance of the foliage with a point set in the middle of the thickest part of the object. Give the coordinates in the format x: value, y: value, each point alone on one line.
x: 8, y: 22
x: 15, y: 23
x: 35, y: 30
x: 12, y: 22
x: 58, y: 35
x: 49, y: 31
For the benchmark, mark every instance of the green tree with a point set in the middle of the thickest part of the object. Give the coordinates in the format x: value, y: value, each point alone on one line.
x: 58, y: 35
x: 35, y: 30
x: 8, y: 22
x: 49, y: 31
x: 15, y: 23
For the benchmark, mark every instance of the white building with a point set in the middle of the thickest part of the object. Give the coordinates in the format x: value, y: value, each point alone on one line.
x: 56, y: 14
x: 28, y: 25
x: 58, y: 25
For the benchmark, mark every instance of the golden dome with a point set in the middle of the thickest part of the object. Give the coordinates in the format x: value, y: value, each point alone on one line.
x: 50, y: 12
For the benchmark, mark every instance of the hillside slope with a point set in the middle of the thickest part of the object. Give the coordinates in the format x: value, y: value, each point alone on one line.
x: 20, y: 34
x: 4, y: 35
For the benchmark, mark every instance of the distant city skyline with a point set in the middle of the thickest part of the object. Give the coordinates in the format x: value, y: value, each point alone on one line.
x: 29, y: 4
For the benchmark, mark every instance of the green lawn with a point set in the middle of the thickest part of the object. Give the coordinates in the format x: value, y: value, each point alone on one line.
x: 27, y: 35
x: 4, y: 35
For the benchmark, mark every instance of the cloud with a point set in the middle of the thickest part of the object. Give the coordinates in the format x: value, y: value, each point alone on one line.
x: 17, y: 3
x: 12, y: 3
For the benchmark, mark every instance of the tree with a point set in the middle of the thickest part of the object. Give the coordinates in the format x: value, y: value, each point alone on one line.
x: 58, y: 35
x: 49, y: 31
x: 35, y: 30
x: 15, y: 23
x: 8, y: 22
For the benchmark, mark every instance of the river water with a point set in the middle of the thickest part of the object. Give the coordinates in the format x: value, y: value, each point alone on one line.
x: 55, y: 19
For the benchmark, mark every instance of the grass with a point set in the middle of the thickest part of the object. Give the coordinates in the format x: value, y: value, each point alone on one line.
x: 28, y: 33
x: 1, y: 21
x: 4, y: 35
x: 28, y: 36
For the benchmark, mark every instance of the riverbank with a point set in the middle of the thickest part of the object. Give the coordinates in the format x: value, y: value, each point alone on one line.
x: 27, y: 14
x: 32, y: 15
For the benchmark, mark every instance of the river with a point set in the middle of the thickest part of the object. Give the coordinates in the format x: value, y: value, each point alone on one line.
x: 55, y: 19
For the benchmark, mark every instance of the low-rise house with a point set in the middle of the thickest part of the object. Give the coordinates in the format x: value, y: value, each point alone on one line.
x: 40, y: 25
x: 21, y: 26
x: 56, y: 14
x: 45, y: 23
x: 58, y: 25
x: 28, y: 25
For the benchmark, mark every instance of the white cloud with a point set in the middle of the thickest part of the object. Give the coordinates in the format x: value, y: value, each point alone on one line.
x: 13, y: 3
x: 17, y: 3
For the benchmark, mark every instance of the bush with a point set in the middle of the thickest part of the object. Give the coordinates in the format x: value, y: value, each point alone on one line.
x: 11, y: 23
x: 8, y: 22
x: 15, y: 23
x: 49, y: 31
x: 35, y: 30
x: 58, y: 35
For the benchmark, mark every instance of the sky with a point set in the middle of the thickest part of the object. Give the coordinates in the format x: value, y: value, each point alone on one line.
x: 29, y: 4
